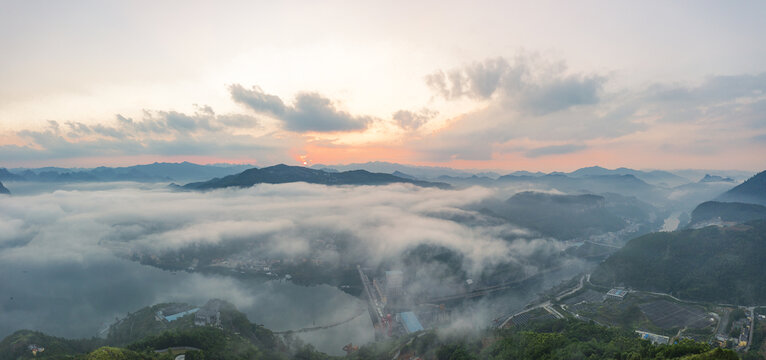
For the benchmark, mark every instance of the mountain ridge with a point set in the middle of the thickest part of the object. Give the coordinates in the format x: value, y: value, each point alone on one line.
x: 281, y: 173
x: 752, y: 191
x: 715, y: 211
x: 714, y: 263
x: 154, y: 172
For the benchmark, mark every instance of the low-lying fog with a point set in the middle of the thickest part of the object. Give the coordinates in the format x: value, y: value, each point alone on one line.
x: 60, y: 271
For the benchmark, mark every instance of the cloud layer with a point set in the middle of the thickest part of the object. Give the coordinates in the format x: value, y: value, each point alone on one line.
x: 539, y: 109
x: 309, y: 112
x: 521, y: 112
x: 526, y: 83
x: 167, y: 133
x: 59, y: 250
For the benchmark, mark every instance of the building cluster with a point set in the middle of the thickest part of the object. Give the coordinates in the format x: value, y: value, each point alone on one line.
x: 254, y: 262
x: 207, y: 315
x: 410, y: 322
x: 617, y: 294
x: 393, y: 311
x: 390, y: 291
x: 210, y: 314
x: 248, y: 261
x: 35, y: 349
x: 245, y: 262
x: 654, y: 338
x: 174, y: 312
x: 744, y: 334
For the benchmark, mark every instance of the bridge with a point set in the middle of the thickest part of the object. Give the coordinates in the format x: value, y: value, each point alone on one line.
x: 328, y: 326
x: 374, y: 304
x: 467, y: 295
x: 484, y: 291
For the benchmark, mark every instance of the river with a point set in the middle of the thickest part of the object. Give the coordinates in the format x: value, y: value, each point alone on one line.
x: 75, y: 299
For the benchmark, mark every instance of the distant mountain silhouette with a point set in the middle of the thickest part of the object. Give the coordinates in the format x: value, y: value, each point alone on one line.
x: 280, y: 174
x: 420, y: 172
x: 595, y: 184
x: 656, y: 177
x: 6, y: 175
x: 715, y: 178
x: 466, y: 177
x: 467, y: 181
x: 4, y: 190
x: 527, y: 173
x: 752, y: 191
x: 403, y: 175
x: 156, y: 172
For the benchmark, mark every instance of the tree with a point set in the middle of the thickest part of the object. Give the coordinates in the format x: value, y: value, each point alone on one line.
x: 194, y: 355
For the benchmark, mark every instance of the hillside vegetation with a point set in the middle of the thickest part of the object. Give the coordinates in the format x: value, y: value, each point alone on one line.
x: 572, y: 216
x: 726, y: 211
x: 138, y: 336
x: 554, y: 339
x: 281, y: 174
x: 751, y: 191
x: 719, y: 264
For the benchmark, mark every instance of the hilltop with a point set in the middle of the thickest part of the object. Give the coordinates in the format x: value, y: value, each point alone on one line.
x: 752, y: 191
x: 280, y: 174
x: 711, y: 212
x: 656, y: 177
x: 155, y: 172
x: 716, y: 178
x: 227, y: 334
x: 717, y: 264
x: 572, y: 216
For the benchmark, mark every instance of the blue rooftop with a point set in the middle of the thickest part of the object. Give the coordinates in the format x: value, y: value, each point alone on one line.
x: 411, y: 323
x: 181, y: 314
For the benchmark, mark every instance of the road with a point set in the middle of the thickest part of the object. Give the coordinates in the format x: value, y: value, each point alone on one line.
x: 720, y: 330
x: 671, y: 296
x: 576, y: 289
x: 752, y: 327
x: 177, y: 348
x: 483, y: 291
x: 374, y: 306
x: 547, y: 305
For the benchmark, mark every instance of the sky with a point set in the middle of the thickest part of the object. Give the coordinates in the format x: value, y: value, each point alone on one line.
x: 545, y: 85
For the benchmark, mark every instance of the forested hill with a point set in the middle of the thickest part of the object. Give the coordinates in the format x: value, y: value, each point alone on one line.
x: 138, y: 335
x: 572, y: 216
x: 553, y: 339
x: 719, y: 264
x: 280, y: 174
x: 711, y: 211
x: 751, y: 191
